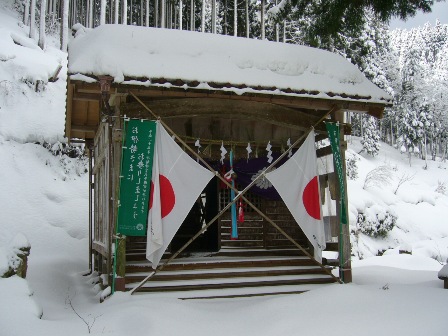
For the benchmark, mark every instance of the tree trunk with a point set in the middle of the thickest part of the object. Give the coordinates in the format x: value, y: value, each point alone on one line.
x: 156, y: 13
x: 235, y: 17
x: 125, y: 12
x: 225, y: 17
x: 361, y: 125
x: 32, y: 34
x: 192, y: 25
x: 103, y: 12
x: 90, y: 13
x: 142, y: 11
x: 263, y: 10
x: 213, y: 16
x: 203, y: 17
x: 26, y: 13
x: 64, y: 29
x: 180, y: 14
x: 116, y: 11
x: 73, y: 17
x: 43, y: 6
x: 147, y: 14
x: 277, y: 28
x: 247, y: 19
x: 284, y: 31
x: 426, y: 154
x: 162, y: 14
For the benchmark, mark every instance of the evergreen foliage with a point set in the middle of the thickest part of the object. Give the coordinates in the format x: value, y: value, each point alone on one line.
x: 371, y: 137
x: 376, y: 225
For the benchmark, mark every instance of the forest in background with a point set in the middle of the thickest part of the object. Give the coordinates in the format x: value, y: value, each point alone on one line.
x: 411, y: 65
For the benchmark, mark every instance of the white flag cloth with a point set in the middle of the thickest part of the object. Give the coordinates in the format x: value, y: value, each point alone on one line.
x: 177, y: 181
x: 297, y: 182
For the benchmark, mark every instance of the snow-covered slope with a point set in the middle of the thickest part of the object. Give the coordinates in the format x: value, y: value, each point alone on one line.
x: 27, y: 115
x: 44, y: 197
x: 420, y: 204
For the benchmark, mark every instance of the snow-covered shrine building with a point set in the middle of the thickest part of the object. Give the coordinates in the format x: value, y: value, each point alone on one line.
x: 214, y: 92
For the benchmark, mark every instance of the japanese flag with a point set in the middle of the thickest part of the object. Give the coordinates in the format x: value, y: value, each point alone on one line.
x: 297, y: 183
x: 177, y: 181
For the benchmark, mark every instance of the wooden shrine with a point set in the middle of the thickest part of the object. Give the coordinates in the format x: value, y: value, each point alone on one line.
x: 216, y: 113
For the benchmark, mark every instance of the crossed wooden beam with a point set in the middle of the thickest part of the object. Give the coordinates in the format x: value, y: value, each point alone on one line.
x: 238, y: 195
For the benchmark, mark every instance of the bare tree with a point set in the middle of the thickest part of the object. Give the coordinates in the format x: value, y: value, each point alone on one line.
x: 43, y: 7
x: 403, y: 179
x: 377, y: 177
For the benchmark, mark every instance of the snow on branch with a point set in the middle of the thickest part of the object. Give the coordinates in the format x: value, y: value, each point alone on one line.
x: 377, y: 177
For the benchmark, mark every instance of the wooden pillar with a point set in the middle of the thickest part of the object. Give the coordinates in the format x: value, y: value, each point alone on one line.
x: 116, y: 143
x: 345, y: 272
x: 120, y: 280
x: 89, y: 145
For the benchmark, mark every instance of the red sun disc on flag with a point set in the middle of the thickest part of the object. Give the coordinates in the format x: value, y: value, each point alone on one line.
x: 167, y: 196
x: 311, y: 198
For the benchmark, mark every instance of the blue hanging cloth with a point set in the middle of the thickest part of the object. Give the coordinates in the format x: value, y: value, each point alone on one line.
x: 234, y: 233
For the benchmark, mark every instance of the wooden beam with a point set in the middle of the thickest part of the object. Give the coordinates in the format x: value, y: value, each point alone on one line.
x: 84, y: 128
x: 101, y: 249
x: 352, y: 104
x: 86, y: 96
x: 228, y: 109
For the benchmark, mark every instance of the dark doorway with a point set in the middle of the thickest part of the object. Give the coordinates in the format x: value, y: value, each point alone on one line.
x: 204, y: 209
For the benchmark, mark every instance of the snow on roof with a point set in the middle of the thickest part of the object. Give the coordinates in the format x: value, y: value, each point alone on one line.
x: 153, y: 56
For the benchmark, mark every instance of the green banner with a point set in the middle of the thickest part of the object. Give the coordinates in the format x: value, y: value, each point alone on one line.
x: 333, y: 135
x: 135, y: 176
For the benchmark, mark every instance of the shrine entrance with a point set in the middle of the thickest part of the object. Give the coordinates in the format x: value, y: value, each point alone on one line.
x: 204, y: 209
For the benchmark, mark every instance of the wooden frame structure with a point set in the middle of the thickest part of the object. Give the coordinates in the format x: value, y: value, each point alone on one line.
x: 97, y: 106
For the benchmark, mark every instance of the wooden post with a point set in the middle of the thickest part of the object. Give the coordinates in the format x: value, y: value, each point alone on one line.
x: 345, y: 272
x: 91, y: 185
x: 120, y: 281
x: 115, y: 145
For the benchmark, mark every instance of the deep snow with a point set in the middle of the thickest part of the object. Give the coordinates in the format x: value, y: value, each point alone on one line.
x: 44, y: 197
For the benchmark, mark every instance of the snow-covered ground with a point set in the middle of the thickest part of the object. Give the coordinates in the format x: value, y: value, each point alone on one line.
x: 44, y: 197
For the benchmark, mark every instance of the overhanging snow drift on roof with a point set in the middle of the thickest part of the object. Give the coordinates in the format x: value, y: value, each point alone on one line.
x: 162, y: 57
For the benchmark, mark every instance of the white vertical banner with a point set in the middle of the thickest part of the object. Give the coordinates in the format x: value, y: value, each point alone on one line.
x: 297, y: 182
